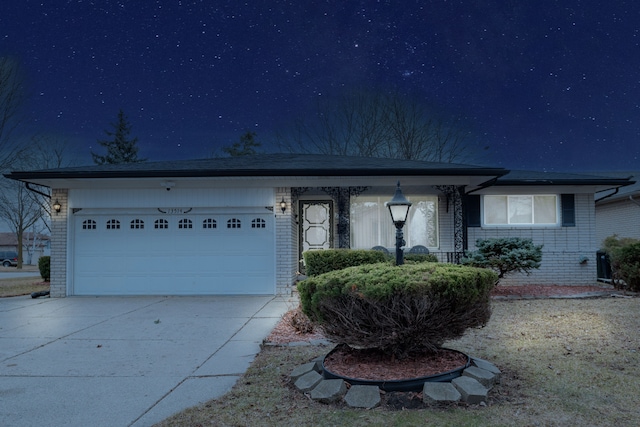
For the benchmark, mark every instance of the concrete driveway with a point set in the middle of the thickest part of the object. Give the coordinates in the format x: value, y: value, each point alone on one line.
x: 124, y: 361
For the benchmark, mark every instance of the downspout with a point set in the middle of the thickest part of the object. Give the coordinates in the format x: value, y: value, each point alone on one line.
x: 608, y: 195
x: 465, y: 228
x: 484, y: 185
x: 28, y: 187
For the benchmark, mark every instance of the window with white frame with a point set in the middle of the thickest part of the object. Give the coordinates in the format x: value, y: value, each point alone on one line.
x: 520, y: 209
x: 371, y: 223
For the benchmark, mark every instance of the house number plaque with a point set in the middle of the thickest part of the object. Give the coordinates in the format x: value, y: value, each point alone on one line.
x: 175, y: 211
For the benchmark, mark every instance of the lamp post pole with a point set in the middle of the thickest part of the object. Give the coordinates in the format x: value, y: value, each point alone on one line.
x: 399, y: 244
x: 399, y: 209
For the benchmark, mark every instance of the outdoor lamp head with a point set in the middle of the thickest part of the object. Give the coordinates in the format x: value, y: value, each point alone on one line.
x: 57, y: 206
x: 399, y: 207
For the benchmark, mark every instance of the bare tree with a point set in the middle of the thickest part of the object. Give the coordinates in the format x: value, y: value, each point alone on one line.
x: 11, y: 100
x: 45, y: 152
x: 377, y: 124
x: 19, y: 210
x: 23, y: 207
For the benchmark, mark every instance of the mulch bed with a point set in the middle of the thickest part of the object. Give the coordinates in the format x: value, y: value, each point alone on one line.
x: 374, y: 365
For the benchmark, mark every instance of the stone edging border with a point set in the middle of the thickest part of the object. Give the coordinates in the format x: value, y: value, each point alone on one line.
x: 471, y: 387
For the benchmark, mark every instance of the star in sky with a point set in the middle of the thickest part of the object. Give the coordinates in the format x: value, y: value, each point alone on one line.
x: 545, y: 85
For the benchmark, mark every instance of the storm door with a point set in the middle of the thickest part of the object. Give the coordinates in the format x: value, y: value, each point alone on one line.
x: 315, y: 232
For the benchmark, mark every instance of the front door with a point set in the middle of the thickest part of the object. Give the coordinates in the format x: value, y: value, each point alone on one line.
x: 315, y: 232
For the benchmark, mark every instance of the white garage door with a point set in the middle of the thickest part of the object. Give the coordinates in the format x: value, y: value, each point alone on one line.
x: 174, y: 253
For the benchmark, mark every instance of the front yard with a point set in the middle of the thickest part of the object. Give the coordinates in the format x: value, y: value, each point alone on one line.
x: 564, y: 362
x: 22, y: 285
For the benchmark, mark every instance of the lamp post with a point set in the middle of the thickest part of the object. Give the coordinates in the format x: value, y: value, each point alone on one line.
x: 399, y: 209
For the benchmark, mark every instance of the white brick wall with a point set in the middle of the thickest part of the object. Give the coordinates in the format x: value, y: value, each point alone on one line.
x: 58, y: 286
x: 563, y: 249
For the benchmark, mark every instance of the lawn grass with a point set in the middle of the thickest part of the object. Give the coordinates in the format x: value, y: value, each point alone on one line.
x: 564, y: 362
x: 21, y: 286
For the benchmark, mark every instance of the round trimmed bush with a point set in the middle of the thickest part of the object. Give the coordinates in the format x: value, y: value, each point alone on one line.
x: 398, y: 309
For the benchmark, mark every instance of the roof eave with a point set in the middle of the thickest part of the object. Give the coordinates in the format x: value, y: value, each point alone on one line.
x: 52, y: 175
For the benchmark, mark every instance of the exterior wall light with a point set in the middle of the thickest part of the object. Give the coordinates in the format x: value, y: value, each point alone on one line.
x: 283, y: 205
x: 57, y: 206
x: 399, y: 210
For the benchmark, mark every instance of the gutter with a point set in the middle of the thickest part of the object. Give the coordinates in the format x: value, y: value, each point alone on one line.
x: 634, y: 201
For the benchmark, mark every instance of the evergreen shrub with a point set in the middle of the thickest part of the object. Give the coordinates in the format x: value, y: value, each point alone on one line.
x: 505, y: 255
x: 319, y: 262
x: 398, y: 309
x: 44, y: 265
x: 625, y: 262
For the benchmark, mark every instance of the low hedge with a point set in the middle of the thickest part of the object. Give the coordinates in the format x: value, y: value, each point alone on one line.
x: 398, y: 309
x: 415, y: 258
x: 320, y: 262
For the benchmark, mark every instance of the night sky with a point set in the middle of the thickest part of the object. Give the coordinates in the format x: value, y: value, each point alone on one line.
x: 546, y: 85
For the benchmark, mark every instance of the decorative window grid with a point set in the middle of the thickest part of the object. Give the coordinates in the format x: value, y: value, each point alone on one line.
x: 258, y: 223
x: 234, y: 223
x: 113, y: 224
x: 161, y: 224
x: 209, y: 223
x: 185, y: 223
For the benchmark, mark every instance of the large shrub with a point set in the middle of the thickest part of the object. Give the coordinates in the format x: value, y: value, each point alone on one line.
x: 319, y: 262
x: 624, y: 254
x: 398, y: 309
x: 505, y: 255
x: 44, y: 265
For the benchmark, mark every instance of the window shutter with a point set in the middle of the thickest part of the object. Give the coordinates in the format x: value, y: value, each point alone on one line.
x: 473, y: 211
x: 568, y: 204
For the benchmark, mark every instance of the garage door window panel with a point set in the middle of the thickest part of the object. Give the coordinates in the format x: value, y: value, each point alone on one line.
x: 185, y: 223
x: 234, y: 223
x: 209, y: 223
x: 258, y: 223
x: 113, y: 224
x: 161, y: 224
x: 137, y: 224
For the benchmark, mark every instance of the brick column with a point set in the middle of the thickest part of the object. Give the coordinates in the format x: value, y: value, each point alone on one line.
x: 59, y: 226
x: 286, y: 244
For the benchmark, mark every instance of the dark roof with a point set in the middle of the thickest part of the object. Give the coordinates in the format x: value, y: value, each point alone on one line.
x: 520, y: 177
x: 263, y: 165
x: 274, y: 165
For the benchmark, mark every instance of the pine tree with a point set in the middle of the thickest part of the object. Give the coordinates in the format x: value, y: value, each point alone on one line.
x: 246, y: 146
x: 120, y: 149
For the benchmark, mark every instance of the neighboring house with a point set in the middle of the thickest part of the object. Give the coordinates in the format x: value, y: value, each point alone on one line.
x: 31, y: 250
x: 239, y: 225
x: 618, y: 211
